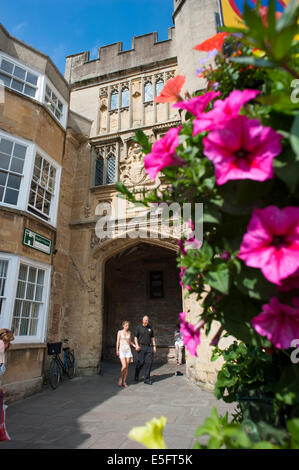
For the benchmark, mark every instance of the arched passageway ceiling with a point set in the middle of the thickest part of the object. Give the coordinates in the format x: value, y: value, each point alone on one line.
x: 111, y: 247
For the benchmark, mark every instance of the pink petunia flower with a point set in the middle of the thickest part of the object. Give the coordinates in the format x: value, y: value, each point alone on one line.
x: 244, y: 149
x: 272, y: 242
x: 163, y: 153
x: 278, y: 322
x: 191, y: 336
x: 193, y: 243
x: 198, y: 104
x: 223, y: 111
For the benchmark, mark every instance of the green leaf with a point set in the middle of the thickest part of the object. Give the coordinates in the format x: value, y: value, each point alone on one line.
x: 272, y: 19
x: 142, y: 140
x: 289, y: 16
x: 254, y: 21
x: 286, y: 167
x: 211, y: 214
x: 214, y: 415
x: 293, y: 428
x: 282, y: 43
x: 123, y: 189
x: 279, y: 101
x: 264, y: 445
x: 215, y: 442
x: 251, y: 282
x: 294, y: 139
x: 235, y: 430
x: 235, y: 313
x: 197, y: 445
x: 202, y: 430
x: 219, y: 279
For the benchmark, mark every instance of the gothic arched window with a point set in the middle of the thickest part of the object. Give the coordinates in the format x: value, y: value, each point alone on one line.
x: 125, y: 98
x: 114, y: 100
x: 99, y: 172
x: 159, y: 86
x: 105, y: 165
x: 110, y: 169
x: 148, y: 92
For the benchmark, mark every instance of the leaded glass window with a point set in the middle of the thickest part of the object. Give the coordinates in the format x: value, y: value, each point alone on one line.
x: 148, y: 92
x: 29, y: 300
x: 159, y: 86
x: 114, y: 100
x: 110, y: 169
x: 125, y: 98
x: 105, y: 164
x: 54, y: 103
x: 12, y: 157
x: 3, y: 276
x: 18, y: 78
x: 42, y: 187
x: 99, y: 171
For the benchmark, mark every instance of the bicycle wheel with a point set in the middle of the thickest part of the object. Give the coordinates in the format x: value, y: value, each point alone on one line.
x: 70, y: 365
x: 54, y: 374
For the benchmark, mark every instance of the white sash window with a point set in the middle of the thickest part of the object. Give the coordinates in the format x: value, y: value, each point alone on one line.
x: 24, y: 299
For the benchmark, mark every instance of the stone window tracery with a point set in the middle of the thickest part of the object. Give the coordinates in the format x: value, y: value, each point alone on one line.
x: 105, y: 169
x: 99, y: 171
x: 159, y: 86
x: 111, y: 169
x: 125, y: 97
x: 114, y: 100
x: 148, y: 92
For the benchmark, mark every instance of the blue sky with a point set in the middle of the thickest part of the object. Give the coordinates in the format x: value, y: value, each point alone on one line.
x: 62, y: 27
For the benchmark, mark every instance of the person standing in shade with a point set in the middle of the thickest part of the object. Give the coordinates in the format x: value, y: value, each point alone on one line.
x: 179, y: 345
x: 146, y: 347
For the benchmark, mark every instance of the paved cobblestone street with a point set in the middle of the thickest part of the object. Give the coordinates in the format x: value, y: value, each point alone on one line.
x: 93, y: 412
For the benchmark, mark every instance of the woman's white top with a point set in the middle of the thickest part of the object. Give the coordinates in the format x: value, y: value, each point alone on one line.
x: 124, y: 344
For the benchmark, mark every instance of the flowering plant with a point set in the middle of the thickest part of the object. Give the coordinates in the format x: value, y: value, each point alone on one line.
x: 237, y: 152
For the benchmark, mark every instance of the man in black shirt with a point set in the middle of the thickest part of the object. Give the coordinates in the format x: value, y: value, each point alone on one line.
x: 143, y: 340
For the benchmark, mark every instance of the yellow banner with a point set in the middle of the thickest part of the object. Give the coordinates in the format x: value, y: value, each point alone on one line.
x: 233, y: 10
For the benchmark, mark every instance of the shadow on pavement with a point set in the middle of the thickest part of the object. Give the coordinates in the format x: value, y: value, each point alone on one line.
x: 93, y: 412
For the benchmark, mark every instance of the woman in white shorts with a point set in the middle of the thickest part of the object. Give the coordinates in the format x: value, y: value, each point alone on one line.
x: 123, y: 351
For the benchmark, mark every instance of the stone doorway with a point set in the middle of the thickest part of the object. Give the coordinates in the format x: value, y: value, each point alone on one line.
x: 142, y: 280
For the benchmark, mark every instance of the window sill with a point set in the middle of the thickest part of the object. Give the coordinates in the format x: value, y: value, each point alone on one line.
x: 105, y: 186
x: 17, y: 346
x: 28, y: 214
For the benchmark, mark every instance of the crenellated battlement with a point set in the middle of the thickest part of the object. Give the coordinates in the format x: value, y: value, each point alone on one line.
x: 146, y: 49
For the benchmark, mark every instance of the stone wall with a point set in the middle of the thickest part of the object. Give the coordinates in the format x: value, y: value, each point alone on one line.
x: 200, y: 369
x: 194, y: 20
x: 146, y: 49
x: 30, y: 120
x: 93, y: 102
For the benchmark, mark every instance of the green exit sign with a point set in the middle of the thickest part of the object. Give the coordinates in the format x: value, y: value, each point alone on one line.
x: 36, y: 241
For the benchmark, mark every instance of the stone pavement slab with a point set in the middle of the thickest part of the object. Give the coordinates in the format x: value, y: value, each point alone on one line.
x: 94, y: 413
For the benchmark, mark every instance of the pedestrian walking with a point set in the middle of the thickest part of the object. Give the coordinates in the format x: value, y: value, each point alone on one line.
x: 123, y: 351
x: 6, y: 336
x: 146, y: 347
x: 179, y: 345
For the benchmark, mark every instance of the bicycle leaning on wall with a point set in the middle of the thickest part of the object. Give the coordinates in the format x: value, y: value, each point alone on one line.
x: 57, y: 367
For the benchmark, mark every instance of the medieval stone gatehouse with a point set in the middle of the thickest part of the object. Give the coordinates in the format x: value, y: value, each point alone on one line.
x: 81, y: 128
